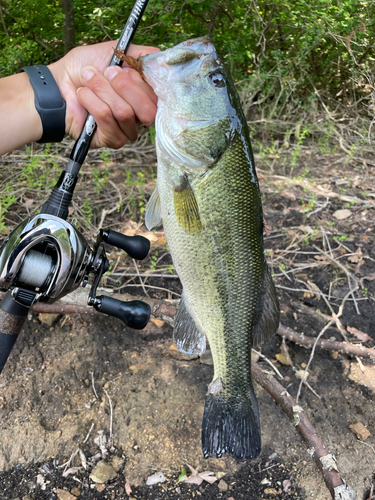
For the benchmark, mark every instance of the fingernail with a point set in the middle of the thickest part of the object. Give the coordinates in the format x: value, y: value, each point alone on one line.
x: 111, y: 72
x: 87, y: 74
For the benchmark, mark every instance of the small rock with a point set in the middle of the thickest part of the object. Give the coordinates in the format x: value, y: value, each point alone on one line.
x: 342, y: 214
x: 156, y: 478
x: 206, y: 358
x: 182, y: 356
x: 360, y: 431
x: 64, y: 495
x: 265, y: 481
x: 100, y: 487
x: 222, y: 485
x: 103, y: 472
x: 220, y: 474
x: 27, y: 498
x: 302, y: 374
x: 75, y: 491
x: 270, y: 491
x: 117, y: 463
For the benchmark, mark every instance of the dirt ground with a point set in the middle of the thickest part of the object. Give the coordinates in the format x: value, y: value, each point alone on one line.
x: 89, y: 377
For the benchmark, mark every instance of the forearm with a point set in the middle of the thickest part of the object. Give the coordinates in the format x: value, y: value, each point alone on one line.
x: 20, y: 122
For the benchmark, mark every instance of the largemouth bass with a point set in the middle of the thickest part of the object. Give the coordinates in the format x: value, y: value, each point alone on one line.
x: 208, y: 200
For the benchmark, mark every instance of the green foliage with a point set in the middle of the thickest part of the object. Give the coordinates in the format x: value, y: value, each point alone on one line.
x: 299, y: 43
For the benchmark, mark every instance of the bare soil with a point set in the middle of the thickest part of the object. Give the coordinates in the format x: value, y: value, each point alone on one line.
x: 48, y: 404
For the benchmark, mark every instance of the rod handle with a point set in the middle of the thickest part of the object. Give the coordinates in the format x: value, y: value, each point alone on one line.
x: 12, y: 317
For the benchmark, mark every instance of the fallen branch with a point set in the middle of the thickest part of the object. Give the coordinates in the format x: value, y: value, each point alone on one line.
x: 328, y: 345
x: 325, y: 460
x: 166, y: 310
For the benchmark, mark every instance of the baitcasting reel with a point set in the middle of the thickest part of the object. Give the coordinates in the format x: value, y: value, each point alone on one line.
x: 45, y: 258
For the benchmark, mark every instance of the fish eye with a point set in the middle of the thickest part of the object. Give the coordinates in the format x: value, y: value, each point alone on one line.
x: 217, y: 79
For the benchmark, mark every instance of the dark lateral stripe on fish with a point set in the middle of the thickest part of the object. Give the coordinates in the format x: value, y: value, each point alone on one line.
x: 230, y: 428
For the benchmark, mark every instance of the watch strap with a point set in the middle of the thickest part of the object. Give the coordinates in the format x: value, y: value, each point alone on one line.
x: 48, y: 102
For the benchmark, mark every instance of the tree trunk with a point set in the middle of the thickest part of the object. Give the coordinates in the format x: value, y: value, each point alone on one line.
x: 69, y: 28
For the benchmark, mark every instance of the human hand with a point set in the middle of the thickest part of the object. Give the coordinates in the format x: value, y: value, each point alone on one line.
x: 117, y: 97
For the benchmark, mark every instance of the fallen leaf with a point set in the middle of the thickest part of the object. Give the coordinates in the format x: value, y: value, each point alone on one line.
x: 286, y: 485
x: 158, y: 322
x: 283, y: 357
x: 353, y: 371
x: 363, y: 337
x: 356, y: 257
x: 370, y: 277
x: 320, y: 257
x: 128, y: 487
x: 198, y: 477
x: 342, y: 214
x: 72, y: 470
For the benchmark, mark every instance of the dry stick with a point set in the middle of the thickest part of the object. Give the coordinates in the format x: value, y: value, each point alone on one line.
x: 325, y: 461
x: 166, y: 311
x: 328, y: 345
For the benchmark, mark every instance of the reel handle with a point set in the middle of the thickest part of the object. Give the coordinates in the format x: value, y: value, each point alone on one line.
x: 136, y: 247
x: 12, y: 317
x: 134, y: 314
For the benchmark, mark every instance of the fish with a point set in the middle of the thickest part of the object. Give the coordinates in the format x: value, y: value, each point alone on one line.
x: 208, y: 200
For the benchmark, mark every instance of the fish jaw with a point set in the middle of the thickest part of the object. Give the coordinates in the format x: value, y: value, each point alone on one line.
x: 179, y: 65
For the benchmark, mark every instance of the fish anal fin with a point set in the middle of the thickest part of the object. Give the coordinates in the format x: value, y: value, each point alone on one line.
x: 186, y: 207
x: 152, y: 216
x: 268, y: 311
x: 186, y: 336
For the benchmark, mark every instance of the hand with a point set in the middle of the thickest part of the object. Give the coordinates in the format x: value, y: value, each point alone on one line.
x: 117, y: 97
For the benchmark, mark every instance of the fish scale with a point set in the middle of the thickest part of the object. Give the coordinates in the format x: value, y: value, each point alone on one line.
x: 209, y: 202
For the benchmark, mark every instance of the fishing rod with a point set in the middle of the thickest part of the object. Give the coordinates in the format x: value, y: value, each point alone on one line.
x: 45, y: 257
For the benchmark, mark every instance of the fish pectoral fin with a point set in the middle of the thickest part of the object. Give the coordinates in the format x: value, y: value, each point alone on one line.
x: 186, y: 336
x: 268, y: 310
x: 152, y: 216
x: 186, y: 207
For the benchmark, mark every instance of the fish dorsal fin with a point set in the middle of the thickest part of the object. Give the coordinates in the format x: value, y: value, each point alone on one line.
x: 186, y: 207
x: 152, y: 216
x: 268, y: 310
x: 186, y: 336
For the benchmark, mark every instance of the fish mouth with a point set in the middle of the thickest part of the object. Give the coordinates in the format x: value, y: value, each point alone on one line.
x: 162, y: 68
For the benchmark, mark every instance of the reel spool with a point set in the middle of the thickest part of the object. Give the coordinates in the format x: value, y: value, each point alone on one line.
x: 36, y: 268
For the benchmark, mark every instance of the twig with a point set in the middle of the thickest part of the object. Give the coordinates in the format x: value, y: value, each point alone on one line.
x: 93, y: 385
x: 303, y: 379
x: 270, y: 363
x: 328, y: 345
x: 325, y: 461
x: 140, y: 279
x: 88, y: 434
x: 111, y: 410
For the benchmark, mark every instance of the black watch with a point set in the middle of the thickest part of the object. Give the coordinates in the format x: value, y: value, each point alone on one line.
x: 48, y: 102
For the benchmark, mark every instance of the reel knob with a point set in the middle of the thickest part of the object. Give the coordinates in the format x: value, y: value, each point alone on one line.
x: 136, y: 247
x: 134, y: 314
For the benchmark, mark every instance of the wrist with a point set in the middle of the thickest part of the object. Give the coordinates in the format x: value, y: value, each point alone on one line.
x: 23, y: 124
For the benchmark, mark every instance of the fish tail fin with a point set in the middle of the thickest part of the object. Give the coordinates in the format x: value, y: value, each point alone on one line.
x: 231, y: 427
